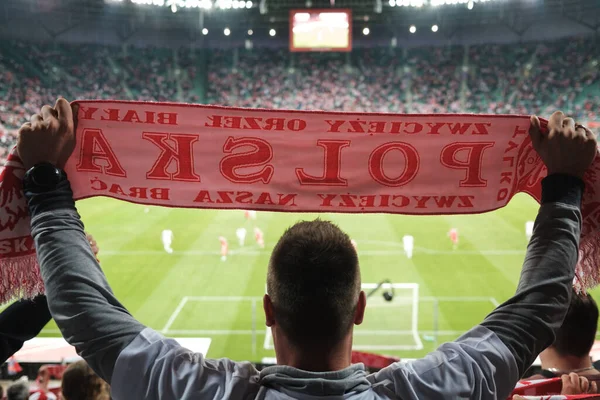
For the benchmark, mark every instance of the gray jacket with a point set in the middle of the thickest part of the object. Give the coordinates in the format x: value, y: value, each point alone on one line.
x: 139, y: 363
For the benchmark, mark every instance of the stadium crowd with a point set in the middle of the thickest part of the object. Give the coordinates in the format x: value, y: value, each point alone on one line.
x: 76, y: 381
x: 522, y: 79
x: 493, y: 79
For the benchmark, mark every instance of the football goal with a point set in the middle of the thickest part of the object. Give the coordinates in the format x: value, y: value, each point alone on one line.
x: 391, y: 321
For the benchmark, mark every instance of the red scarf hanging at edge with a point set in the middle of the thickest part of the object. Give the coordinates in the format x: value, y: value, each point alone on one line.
x: 192, y: 156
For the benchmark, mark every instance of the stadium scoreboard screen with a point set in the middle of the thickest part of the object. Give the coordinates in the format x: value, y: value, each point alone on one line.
x: 320, y: 30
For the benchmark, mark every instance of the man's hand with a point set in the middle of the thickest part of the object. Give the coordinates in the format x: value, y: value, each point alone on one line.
x: 567, y: 148
x: 48, y: 136
x: 575, y: 384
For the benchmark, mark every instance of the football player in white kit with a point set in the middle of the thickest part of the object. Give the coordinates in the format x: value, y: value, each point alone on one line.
x: 408, y: 242
x: 241, y: 235
x: 529, y: 229
x: 167, y: 239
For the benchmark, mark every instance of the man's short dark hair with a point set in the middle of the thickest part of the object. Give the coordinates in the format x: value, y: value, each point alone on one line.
x: 577, y: 334
x: 18, y: 391
x: 314, y: 282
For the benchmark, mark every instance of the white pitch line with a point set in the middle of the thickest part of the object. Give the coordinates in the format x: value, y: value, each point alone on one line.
x: 268, y: 337
x: 223, y: 298
x: 454, y: 298
x: 495, y: 302
x: 212, y: 332
x: 182, y: 303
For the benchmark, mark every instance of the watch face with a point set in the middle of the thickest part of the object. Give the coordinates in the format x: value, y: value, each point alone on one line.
x: 45, y: 175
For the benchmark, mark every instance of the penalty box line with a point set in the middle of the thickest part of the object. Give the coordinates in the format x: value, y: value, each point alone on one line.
x: 167, y: 328
x: 175, y: 314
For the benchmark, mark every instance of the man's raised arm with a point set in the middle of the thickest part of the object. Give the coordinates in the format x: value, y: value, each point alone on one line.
x: 487, y: 361
x: 527, y: 323
x: 79, y: 297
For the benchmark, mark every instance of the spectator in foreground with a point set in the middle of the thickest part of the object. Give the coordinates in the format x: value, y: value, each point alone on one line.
x: 570, y: 351
x: 41, y: 390
x: 314, y: 297
x: 81, y: 383
x: 18, y: 391
x: 23, y: 320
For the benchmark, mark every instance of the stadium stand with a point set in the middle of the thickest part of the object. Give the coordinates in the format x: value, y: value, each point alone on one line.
x: 479, y: 79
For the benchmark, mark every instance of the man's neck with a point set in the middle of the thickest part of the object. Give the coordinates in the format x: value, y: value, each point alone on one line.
x: 335, y: 359
x: 566, y: 363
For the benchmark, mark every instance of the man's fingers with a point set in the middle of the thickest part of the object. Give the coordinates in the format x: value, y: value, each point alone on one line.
x: 585, y: 384
x: 581, y: 131
x: 25, y: 127
x: 24, y: 130
x: 593, y: 387
x: 568, y: 125
x: 555, y: 120
x: 48, y: 113
x: 535, y: 130
x: 574, y: 378
x: 65, y: 114
x: 587, y: 133
x: 36, y: 121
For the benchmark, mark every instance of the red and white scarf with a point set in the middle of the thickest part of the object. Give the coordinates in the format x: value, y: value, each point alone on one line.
x: 545, y: 389
x: 192, y: 156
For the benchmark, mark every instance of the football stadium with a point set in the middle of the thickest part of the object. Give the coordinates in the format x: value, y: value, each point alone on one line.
x: 198, y: 273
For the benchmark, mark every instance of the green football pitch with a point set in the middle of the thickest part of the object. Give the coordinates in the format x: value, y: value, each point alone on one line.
x: 441, y: 292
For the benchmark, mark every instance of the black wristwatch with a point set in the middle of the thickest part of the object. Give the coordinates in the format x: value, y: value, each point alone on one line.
x: 44, y: 176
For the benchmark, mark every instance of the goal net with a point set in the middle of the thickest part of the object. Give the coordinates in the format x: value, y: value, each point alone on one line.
x: 388, y: 325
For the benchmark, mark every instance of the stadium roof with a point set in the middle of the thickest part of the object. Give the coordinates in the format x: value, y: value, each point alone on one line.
x: 126, y: 17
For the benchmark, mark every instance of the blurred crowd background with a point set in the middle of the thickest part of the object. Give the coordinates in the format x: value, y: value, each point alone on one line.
x: 491, y: 78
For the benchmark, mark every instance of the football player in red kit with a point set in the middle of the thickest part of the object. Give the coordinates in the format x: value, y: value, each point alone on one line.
x: 224, y: 248
x: 260, y: 239
x: 453, y: 237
